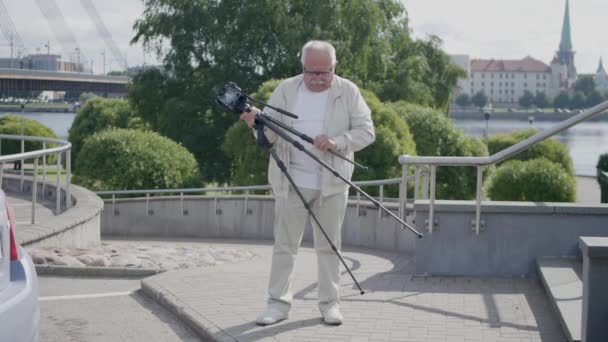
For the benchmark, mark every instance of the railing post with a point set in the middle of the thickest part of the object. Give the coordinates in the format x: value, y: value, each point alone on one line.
x: 432, y: 199
x: 381, y: 199
x: 58, y: 186
x: 425, y: 184
x: 22, y: 166
x: 403, y: 193
x: 68, y: 179
x: 246, y: 202
x: 181, y: 202
x: 43, y: 172
x: 148, y: 204
x: 113, y: 204
x: 34, y: 190
x: 478, y: 198
x: 416, y: 182
x: 358, y: 203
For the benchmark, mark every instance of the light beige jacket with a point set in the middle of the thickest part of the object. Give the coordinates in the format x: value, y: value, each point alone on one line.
x: 347, y: 121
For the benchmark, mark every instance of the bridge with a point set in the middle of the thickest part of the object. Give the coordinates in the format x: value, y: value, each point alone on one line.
x: 38, y: 80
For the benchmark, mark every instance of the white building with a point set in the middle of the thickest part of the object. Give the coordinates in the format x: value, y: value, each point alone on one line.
x: 505, y: 81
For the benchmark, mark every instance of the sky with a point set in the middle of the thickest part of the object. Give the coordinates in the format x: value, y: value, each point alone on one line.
x: 496, y: 29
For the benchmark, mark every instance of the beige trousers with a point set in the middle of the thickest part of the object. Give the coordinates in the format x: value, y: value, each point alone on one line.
x: 290, y: 220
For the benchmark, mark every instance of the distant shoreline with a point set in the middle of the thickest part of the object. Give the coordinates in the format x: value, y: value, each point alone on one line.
x: 37, y: 109
x: 544, y: 116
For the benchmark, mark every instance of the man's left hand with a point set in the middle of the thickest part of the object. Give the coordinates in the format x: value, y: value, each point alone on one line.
x: 324, y: 143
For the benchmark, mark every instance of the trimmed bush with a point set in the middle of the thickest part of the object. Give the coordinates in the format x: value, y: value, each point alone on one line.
x: 98, y: 114
x: 550, y: 149
x: 435, y: 135
x: 249, y: 163
x: 602, y: 165
x: 12, y: 124
x: 536, y: 180
x: 125, y: 159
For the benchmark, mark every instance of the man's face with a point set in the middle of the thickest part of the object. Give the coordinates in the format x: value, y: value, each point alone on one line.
x: 318, y: 71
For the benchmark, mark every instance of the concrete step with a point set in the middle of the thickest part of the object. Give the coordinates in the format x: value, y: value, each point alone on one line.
x: 563, y: 280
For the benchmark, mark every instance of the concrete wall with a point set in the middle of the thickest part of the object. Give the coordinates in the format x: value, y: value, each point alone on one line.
x: 229, y: 218
x: 78, y: 227
x: 515, y: 234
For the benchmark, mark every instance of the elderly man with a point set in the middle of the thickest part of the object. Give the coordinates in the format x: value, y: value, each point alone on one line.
x: 332, y: 110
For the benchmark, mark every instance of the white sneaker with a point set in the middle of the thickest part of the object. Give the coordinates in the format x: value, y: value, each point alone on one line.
x: 332, y: 315
x: 272, y: 315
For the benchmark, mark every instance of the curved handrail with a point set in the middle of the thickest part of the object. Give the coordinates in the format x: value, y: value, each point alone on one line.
x: 510, y: 151
x: 482, y: 162
x: 64, y: 147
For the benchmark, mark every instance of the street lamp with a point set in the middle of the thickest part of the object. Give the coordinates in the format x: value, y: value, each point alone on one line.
x: 486, y: 116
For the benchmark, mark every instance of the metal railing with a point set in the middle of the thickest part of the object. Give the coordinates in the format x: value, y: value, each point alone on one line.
x: 483, y: 162
x: 231, y: 189
x: 63, y: 147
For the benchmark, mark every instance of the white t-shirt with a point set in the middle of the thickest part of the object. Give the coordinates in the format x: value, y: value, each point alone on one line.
x: 310, y: 109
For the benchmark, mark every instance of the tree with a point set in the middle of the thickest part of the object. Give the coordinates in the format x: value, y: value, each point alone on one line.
x: 527, y: 99
x: 536, y: 180
x: 550, y: 149
x: 98, y: 114
x: 585, y: 84
x: 562, y: 100
x: 125, y: 159
x: 594, y: 98
x: 480, y: 99
x: 200, y: 52
x: 463, y: 100
x: 578, y: 100
x: 435, y: 135
x: 541, y: 100
x: 17, y: 125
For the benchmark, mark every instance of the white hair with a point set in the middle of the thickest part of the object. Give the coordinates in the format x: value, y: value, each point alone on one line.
x: 320, y: 45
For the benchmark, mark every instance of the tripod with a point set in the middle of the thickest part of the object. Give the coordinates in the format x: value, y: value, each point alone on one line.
x: 264, y: 143
x: 232, y: 98
x: 263, y: 120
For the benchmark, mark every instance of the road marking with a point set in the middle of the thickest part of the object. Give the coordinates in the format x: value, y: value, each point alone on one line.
x: 86, y: 296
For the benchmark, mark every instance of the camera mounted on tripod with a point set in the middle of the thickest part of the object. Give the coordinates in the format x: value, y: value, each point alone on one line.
x: 232, y: 98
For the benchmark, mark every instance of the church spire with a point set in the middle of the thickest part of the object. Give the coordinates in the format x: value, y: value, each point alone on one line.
x: 566, y: 42
x: 600, y: 68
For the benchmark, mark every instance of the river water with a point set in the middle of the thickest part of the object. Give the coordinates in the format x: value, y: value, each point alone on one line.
x: 586, y: 140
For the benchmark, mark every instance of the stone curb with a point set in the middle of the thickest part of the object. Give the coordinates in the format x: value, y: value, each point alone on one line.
x: 92, y: 271
x: 204, y: 328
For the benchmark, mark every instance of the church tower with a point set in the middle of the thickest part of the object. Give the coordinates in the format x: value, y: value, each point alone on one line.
x: 565, y: 54
x: 601, y: 78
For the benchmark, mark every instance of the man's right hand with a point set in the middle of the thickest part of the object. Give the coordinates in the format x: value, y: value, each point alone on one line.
x: 249, y: 117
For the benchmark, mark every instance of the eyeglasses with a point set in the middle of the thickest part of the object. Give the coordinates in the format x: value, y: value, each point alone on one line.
x: 318, y: 73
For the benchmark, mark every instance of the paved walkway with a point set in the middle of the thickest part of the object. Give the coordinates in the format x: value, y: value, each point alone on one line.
x: 223, y: 301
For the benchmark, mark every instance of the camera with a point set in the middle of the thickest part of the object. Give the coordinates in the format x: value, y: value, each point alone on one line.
x: 232, y: 98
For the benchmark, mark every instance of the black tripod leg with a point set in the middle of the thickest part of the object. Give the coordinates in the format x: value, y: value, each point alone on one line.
x: 283, y: 169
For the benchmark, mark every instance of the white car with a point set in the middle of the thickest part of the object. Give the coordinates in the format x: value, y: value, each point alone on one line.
x: 19, y: 308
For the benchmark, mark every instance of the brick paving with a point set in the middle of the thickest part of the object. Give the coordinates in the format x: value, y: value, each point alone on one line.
x: 223, y: 301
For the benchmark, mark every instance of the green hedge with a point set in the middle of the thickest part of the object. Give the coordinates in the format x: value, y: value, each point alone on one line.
x: 249, y: 163
x: 125, y: 159
x: 536, y: 180
x: 550, y: 149
x: 435, y: 135
x: 12, y: 124
x: 98, y: 114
